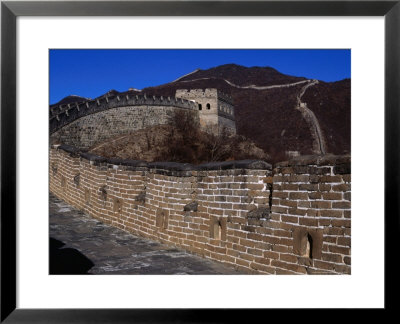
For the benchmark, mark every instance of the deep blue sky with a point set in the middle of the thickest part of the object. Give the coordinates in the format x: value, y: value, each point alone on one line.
x: 90, y: 73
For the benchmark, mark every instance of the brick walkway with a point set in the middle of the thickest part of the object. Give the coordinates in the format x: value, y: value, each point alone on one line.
x: 80, y: 244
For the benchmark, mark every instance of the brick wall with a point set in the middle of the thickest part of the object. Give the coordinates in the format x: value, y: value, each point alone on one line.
x: 292, y: 219
x: 86, y: 131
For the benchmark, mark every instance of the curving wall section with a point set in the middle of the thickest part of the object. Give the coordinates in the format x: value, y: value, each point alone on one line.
x: 86, y: 124
x: 293, y: 219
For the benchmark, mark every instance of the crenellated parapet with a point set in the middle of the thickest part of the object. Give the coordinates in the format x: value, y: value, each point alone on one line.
x: 63, y: 115
x: 225, y: 97
x: 226, y: 110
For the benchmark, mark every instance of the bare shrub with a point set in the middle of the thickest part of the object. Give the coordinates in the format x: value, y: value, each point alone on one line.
x: 187, y: 143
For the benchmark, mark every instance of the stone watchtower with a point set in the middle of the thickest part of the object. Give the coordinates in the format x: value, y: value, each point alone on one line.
x: 216, y: 110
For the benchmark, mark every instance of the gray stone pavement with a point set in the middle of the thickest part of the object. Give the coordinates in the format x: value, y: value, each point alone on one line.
x: 113, y: 251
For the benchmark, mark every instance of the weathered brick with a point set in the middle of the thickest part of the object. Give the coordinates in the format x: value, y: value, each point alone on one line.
x: 324, y: 265
x: 262, y: 260
x: 321, y: 204
x: 315, y: 195
x: 290, y: 219
x: 254, y: 186
x: 308, y: 221
x: 288, y: 258
x: 345, y: 241
x: 282, y: 233
x: 283, y: 272
x: 246, y: 256
x: 347, y: 196
x: 298, y: 195
x: 303, y: 204
x: 262, y: 267
x: 341, y: 205
x: 329, y: 179
x: 346, y: 178
x: 324, y: 187
x: 341, y: 222
x: 332, y: 196
x: 298, y: 178
x: 333, y: 231
x: 337, y: 258
x: 331, y: 213
x: 280, y: 248
x: 243, y: 262
x: 308, y: 187
x: 341, y: 187
x: 339, y: 249
x: 271, y: 255
x: 289, y: 186
x: 288, y: 203
x: 341, y: 268
x: 330, y: 239
x: 255, y: 251
x: 297, y: 211
x: 279, y: 209
x: 280, y: 194
x: 312, y: 212
x: 288, y: 266
x: 255, y: 236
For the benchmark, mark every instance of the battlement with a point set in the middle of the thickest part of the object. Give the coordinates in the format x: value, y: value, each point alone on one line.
x: 225, y: 97
x: 206, y: 93
x: 197, y: 93
x: 66, y: 114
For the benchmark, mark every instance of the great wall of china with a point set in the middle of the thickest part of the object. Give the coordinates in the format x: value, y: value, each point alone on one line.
x: 293, y: 218
x: 316, y: 132
x: 319, y: 146
x: 91, y: 122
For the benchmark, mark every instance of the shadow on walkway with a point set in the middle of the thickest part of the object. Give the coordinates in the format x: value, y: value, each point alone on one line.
x: 65, y: 261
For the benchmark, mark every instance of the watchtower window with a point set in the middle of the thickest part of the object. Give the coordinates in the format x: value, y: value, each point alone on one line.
x: 309, y: 246
x: 217, y: 230
x: 208, y: 106
x: 200, y: 107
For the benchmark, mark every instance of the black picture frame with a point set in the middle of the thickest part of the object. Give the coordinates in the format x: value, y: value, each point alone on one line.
x: 10, y: 10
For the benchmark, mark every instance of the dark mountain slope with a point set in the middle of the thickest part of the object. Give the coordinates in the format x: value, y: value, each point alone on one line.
x: 244, y: 76
x: 331, y: 102
x: 269, y: 116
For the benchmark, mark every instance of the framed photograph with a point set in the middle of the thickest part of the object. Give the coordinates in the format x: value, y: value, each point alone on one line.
x: 224, y: 193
